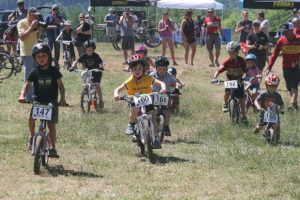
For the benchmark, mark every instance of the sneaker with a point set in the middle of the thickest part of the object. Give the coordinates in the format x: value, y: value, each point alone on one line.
x: 211, y: 65
x: 167, y: 131
x: 244, y: 120
x: 129, y: 130
x: 53, y: 153
x: 175, y: 63
x: 29, y: 144
x: 255, y: 130
x: 125, y: 62
x: 156, y: 144
x: 101, y: 104
x: 225, y: 107
x: 217, y: 63
x: 293, y: 108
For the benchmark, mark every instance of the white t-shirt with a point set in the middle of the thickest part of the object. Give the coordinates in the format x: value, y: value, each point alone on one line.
x: 264, y: 26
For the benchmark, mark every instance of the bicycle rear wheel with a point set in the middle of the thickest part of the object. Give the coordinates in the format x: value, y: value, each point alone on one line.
x: 116, y: 42
x: 38, y: 160
x: 6, y: 66
x: 85, y: 102
x: 153, y: 38
x: 161, y: 127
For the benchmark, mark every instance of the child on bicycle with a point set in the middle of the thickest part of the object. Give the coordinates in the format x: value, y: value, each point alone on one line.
x: 91, y: 60
x: 235, y: 68
x: 161, y: 73
x: 176, y: 92
x: 263, y: 100
x: 141, y: 49
x: 139, y: 83
x: 47, y: 83
x: 252, y: 74
x: 69, y: 35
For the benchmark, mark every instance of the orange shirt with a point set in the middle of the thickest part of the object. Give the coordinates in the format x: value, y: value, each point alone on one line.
x: 212, y: 24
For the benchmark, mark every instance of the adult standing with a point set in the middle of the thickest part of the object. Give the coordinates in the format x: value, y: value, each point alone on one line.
x: 257, y: 42
x: 165, y: 28
x: 296, y: 25
x: 289, y: 46
x: 27, y: 29
x: 127, y: 34
x: 110, y: 20
x: 198, y: 29
x: 213, y: 29
x: 19, y: 13
x: 84, y: 33
x: 187, y: 28
x: 264, y: 23
x: 244, y: 27
x: 53, y: 21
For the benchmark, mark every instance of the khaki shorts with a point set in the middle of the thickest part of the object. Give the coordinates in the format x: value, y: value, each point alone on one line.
x: 211, y: 40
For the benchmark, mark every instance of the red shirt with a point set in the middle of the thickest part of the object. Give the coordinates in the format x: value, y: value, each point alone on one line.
x: 290, y: 52
x: 235, y: 69
x: 296, y: 31
x: 212, y: 24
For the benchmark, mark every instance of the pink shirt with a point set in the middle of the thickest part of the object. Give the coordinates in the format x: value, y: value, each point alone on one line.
x: 252, y: 72
x: 168, y: 32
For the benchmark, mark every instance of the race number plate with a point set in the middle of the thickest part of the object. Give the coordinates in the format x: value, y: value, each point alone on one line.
x: 231, y: 84
x: 271, y: 117
x: 43, y: 112
x: 160, y: 100
x: 142, y: 100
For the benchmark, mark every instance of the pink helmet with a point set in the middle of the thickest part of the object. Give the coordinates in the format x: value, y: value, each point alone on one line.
x: 141, y: 49
x: 272, y: 79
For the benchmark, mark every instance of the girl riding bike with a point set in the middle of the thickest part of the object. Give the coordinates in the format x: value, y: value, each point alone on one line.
x: 139, y: 83
x: 235, y: 68
x: 141, y: 49
x: 252, y: 74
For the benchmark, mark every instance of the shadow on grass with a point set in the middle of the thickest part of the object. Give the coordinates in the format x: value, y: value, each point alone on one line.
x: 289, y: 144
x: 180, y: 140
x: 57, y: 170
x: 157, y: 159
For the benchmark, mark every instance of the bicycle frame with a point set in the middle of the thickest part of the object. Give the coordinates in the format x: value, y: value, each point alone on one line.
x: 271, y: 127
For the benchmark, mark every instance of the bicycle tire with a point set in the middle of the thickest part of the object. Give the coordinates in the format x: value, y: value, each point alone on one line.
x: 6, y: 66
x: 161, y: 127
x: 153, y: 38
x: 234, y: 112
x: 37, y: 154
x: 85, y: 102
x: 116, y: 42
x: 148, y: 141
x: 67, y: 60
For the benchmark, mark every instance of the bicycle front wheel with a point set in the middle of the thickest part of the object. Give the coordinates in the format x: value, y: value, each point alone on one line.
x: 37, y: 154
x: 148, y: 141
x: 234, y: 111
x: 6, y: 66
x: 85, y: 102
x: 161, y: 127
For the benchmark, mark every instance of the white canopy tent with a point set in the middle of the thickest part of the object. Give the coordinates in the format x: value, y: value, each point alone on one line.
x: 194, y: 4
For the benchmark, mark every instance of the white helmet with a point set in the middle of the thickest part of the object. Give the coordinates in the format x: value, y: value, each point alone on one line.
x: 233, y: 46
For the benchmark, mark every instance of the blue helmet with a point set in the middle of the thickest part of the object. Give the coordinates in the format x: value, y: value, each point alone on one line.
x: 251, y: 56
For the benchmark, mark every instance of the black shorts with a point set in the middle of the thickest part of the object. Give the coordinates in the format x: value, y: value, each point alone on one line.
x: 97, y: 76
x: 238, y: 92
x: 127, y: 43
x: 291, y: 77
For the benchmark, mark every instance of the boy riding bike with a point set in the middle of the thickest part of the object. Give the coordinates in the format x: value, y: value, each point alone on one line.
x: 47, y: 82
x: 161, y: 64
x: 235, y: 68
x: 139, y: 83
x: 263, y: 101
x: 174, y: 99
x: 92, y: 60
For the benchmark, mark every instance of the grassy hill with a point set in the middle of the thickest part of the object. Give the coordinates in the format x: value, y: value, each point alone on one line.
x: 205, y: 158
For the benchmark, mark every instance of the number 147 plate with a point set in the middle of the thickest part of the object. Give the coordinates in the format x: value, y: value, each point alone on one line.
x: 43, y: 112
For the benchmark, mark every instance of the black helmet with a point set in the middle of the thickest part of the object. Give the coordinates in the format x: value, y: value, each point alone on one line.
x: 172, y: 70
x: 136, y: 58
x: 40, y: 47
x: 89, y: 43
x: 162, y: 61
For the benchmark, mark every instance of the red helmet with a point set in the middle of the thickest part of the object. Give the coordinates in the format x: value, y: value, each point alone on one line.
x: 272, y: 79
x: 136, y: 58
x: 141, y: 49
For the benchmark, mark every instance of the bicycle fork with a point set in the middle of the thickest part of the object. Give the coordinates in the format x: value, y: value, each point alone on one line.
x: 42, y: 133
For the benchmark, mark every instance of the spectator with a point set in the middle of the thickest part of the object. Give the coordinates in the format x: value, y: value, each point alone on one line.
x: 165, y: 28
x: 264, y: 23
x: 212, y: 27
x: 187, y: 28
x: 296, y: 25
x: 295, y: 14
x: 244, y: 27
x: 53, y: 21
x: 110, y: 20
x: 257, y: 43
x: 27, y: 29
x: 135, y: 19
x: 19, y: 13
x: 127, y: 34
x: 198, y: 29
x: 84, y: 33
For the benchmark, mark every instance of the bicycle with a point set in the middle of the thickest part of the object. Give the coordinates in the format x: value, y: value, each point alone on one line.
x: 249, y: 97
x: 67, y: 53
x: 161, y: 102
x: 271, y: 124
x: 89, y: 98
x: 143, y: 128
x: 40, y: 144
x: 233, y: 102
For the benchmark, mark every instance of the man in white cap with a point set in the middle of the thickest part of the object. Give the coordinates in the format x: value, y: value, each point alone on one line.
x: 28, y: 33
x: 110, y: 20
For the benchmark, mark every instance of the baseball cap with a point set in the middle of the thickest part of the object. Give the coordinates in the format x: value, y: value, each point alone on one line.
x: 111, y: 9
x: 256, y: 23
x: 295, y: 10
x: 286, y: 27
x: 33, y: 10
x: 20, y: 1
x: 210, y: 9
x: 54, y: 6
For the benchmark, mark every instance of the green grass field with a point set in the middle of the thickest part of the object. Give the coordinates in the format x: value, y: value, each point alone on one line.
x: 205, y: 158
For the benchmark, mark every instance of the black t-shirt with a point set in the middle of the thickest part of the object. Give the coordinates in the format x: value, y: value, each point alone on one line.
x: 247, y: 24
x: 84, y: 37
x: 45, y: 84
x: 90, y: 62
x: 259, y: 38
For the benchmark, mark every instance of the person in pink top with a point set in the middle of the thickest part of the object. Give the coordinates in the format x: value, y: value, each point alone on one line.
x: 253, y: 74
x: 165, y: 28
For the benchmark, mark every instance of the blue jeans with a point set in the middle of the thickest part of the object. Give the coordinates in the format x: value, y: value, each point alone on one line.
x: 29, y: 66
x: 51, y: 43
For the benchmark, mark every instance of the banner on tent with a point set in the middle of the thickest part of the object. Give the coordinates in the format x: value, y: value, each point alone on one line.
x: 279, y: 4
x: 118, y: 3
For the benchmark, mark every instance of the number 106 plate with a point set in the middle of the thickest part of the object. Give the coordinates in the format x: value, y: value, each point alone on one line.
x: 43, y: 112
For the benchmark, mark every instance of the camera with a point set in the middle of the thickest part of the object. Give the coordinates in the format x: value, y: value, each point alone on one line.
x: 42, y: 24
